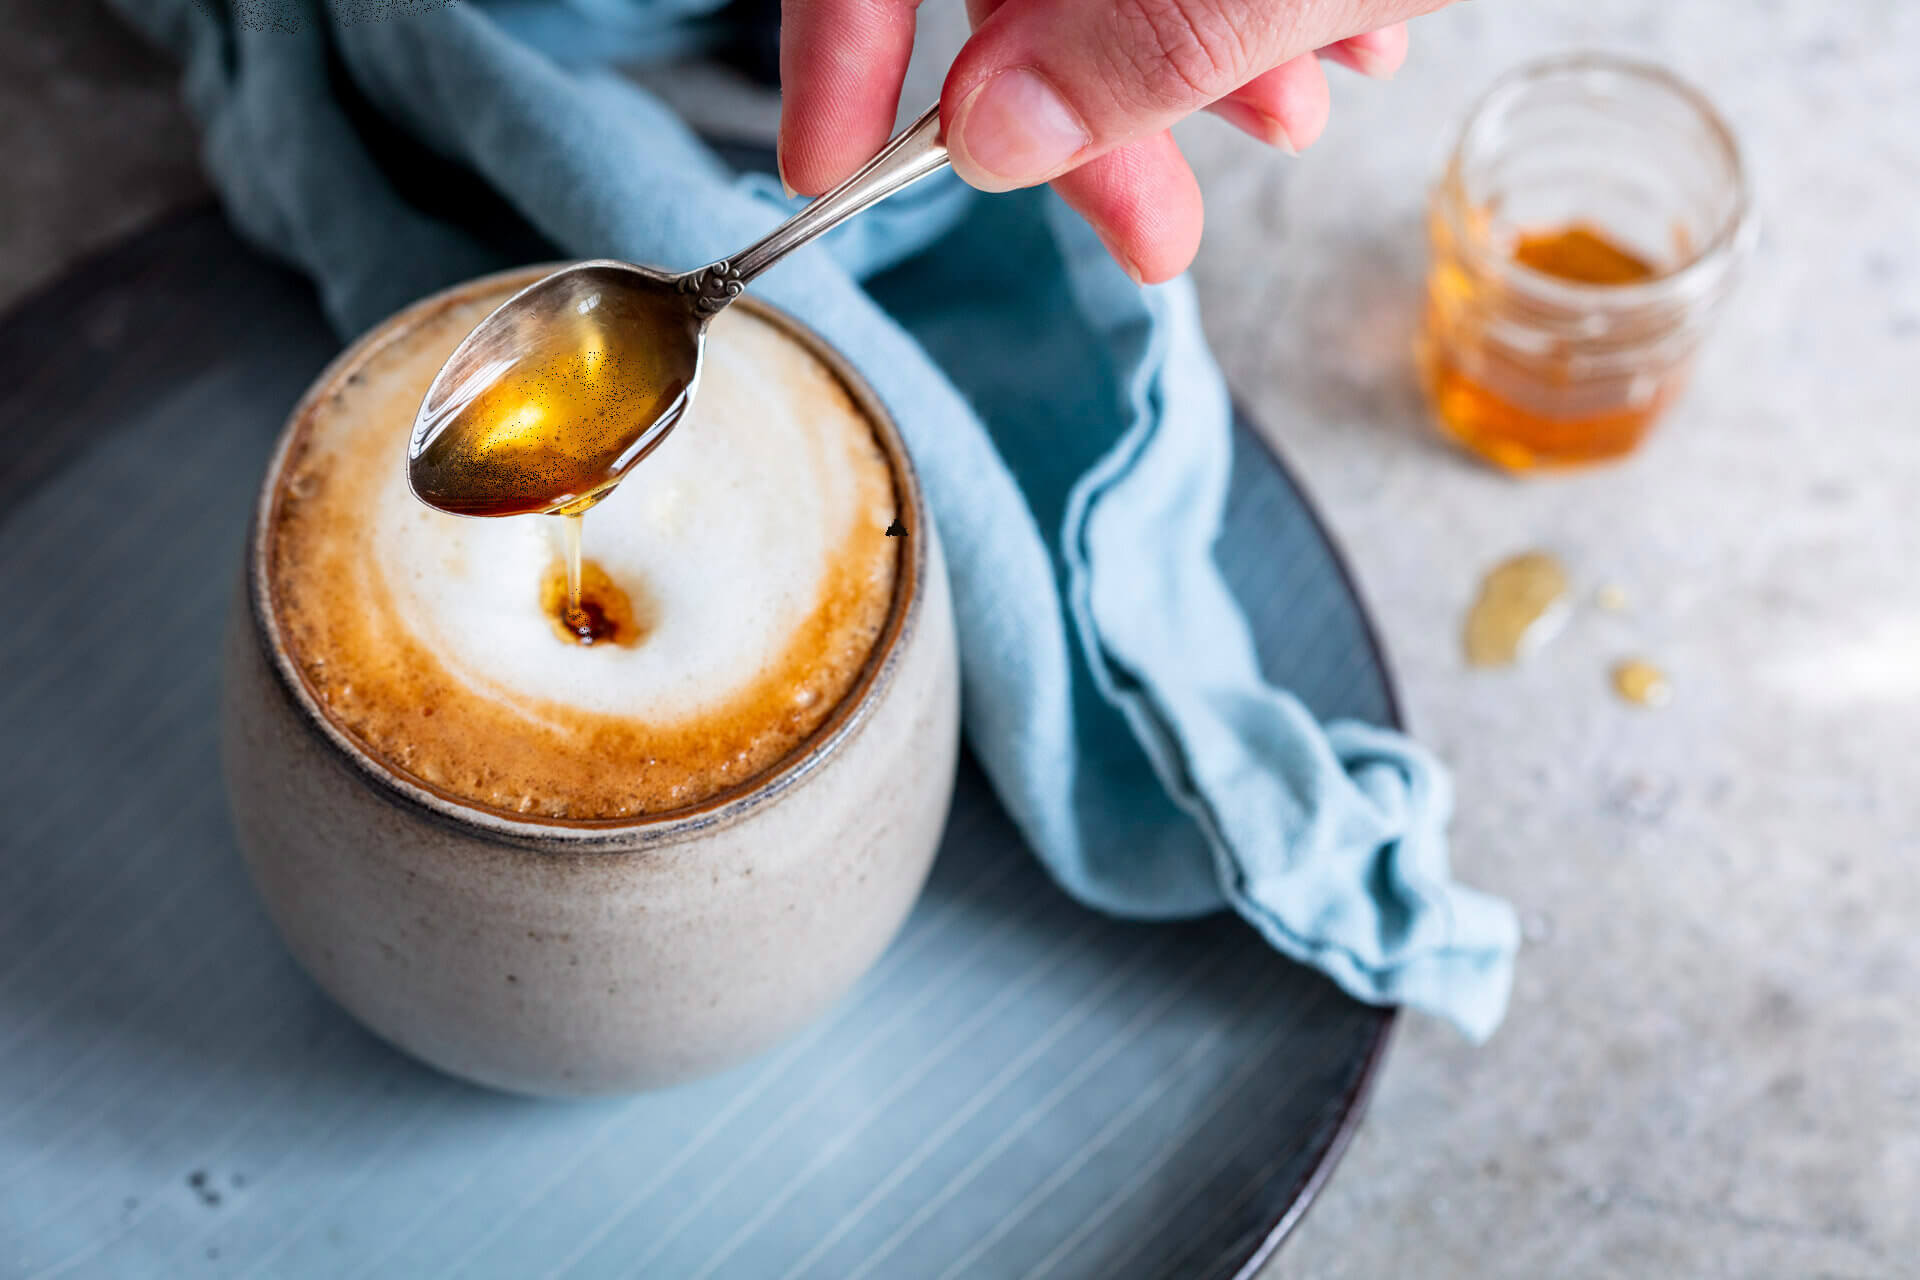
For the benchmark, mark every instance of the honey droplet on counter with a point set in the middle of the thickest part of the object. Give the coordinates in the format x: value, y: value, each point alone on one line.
x: 1642, y: 683
x: 1521, y: 602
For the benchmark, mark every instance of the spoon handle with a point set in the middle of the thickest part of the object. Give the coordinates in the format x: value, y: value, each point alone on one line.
x: 913, y: 153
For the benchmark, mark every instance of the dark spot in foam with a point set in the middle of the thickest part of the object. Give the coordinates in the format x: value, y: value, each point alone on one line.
x: 203, y: 1187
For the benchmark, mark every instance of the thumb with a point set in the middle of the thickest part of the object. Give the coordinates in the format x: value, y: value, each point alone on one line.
x: 1046, y: 85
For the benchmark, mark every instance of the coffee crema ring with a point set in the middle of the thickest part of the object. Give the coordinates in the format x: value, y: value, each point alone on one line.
x: 742, y: 576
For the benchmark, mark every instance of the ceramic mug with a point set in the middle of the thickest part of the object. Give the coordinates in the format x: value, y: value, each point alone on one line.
x: 558, y: 959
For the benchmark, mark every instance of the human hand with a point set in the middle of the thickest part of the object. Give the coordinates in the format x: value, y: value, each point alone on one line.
x: 1080, y: 93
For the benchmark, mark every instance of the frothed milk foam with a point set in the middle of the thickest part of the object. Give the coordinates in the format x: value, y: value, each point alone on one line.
x: 753, y: 545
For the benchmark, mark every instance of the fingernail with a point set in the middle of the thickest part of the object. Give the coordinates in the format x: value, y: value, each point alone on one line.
x: 1258, y: 123
x: 1013, y: 131
x: 780, y: 167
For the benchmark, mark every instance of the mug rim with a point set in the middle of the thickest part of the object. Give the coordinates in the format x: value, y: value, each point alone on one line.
x: 604, y: 835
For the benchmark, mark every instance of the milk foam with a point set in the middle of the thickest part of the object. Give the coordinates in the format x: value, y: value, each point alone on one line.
x: 752, y: 543
x: 726, y: 529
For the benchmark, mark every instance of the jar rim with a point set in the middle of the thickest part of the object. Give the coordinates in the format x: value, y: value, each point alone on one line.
x: 1701, y: 275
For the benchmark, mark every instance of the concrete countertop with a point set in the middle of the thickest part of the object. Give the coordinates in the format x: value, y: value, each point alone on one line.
x: 1712, y: 1066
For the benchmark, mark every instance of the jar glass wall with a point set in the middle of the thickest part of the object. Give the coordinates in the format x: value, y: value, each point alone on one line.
x: 1587, y: 227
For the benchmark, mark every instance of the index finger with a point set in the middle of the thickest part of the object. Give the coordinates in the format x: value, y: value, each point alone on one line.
x: 841, y: 65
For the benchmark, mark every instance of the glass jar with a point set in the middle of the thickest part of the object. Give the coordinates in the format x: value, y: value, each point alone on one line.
x: 1586, y: 229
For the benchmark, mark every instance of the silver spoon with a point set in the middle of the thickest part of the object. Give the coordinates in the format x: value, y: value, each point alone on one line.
x: 460, y: 457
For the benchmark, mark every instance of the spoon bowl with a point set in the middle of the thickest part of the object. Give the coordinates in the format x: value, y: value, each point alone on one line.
x: 567, y: 385
x: 558, y: 393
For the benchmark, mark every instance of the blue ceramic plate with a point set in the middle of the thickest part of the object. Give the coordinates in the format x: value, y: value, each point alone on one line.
x: 1021, y: 1088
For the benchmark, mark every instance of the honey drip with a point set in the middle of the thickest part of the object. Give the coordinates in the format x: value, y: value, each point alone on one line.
x: 574, y: 616
x: 1642, y: 683
x: 586, y: 605
x: 1536, y: 405
x: 1521, y: 601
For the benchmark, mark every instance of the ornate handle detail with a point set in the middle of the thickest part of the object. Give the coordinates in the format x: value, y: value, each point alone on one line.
x: 714, y: 286
x: 914, y: 152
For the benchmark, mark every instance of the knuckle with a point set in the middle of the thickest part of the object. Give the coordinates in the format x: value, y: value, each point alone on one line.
x: 1179, y: 51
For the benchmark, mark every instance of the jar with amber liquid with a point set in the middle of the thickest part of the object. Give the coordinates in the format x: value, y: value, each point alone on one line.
x: 1588, y: 225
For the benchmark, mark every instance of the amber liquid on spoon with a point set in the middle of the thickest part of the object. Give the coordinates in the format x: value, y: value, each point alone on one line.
x: 553, y: 426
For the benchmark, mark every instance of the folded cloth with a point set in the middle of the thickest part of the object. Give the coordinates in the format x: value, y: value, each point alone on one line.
x: 1071, y: 429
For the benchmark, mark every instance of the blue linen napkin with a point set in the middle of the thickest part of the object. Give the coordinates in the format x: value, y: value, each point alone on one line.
x: 1072, y: 431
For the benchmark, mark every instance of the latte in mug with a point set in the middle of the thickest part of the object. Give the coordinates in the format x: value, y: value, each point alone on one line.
x: 564, y: 868
x: 749, y: 559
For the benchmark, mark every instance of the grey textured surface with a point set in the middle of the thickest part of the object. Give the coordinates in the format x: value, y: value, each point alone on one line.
x: 1712, y: 1066
x: 93, y: 139
x: 1713, y: 1062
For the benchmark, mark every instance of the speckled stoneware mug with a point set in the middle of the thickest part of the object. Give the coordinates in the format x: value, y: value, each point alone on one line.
x: 570, y: 959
